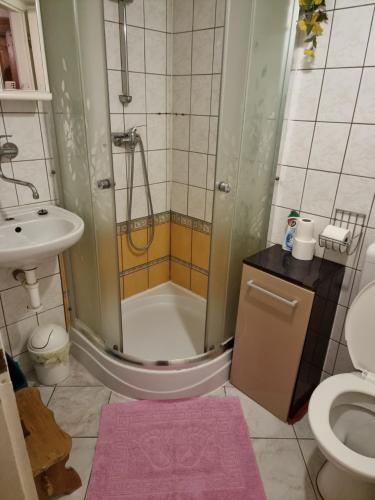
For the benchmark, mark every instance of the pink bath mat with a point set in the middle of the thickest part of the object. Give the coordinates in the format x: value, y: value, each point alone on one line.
x: 192, y: 449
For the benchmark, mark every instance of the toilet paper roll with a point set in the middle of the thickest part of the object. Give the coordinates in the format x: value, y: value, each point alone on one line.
x: 305, y: 229
x: 303, y: 250
x: 336, y: 233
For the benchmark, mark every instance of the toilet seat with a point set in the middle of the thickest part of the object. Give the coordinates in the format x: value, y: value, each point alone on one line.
x: 321, y: 403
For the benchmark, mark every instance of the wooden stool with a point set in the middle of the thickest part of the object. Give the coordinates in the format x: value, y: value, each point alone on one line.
x: 48, y: 446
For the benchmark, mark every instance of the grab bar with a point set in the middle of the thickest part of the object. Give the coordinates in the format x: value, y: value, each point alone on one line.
x: 125, y: 97
x: 291, y: 303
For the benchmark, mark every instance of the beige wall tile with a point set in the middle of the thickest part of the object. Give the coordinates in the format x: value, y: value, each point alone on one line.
x: 201, y: 243
x: 181, y: 242
x: 199, y: 283
x: 180, y: 274
x: 158, y: 274
x: 135, y: 283
x: 131, y: 258
x: 160, y: 247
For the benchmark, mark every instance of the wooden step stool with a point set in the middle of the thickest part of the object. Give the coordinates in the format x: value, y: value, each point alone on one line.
x: 48, y: 446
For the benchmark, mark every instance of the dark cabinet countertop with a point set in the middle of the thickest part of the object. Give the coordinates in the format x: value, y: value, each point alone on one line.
x: 282, y: 264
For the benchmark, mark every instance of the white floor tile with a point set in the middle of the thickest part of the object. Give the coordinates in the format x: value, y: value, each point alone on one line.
x: 77, y: 409
x: 283, y: 470
x: 118, y: 398
x: 303, y: 429
x: 314, y: 459
x: 45, y: 394
x: 261, y: 423
x: 79, y: 376
x: 80, y: 459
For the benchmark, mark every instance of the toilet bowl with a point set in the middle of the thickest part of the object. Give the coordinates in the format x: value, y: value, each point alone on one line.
x: 342, y: 411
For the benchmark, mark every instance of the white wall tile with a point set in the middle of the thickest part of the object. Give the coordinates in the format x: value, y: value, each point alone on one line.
x: 114, y: 90
x: 159, y: 197
x: 55, y: 316
x: 340, y: 4
x: 359, y: 159
x: 134, y: 13
x: 181, y: 94
x: 278, y: 223
x: 209, y: 206
x: 288, y: 190
x: 203, y: 49
x: 201, y: 94
x: 211, y: 167
x: 180, y: 166
x: 319, y: 192
x: 305, y: 83
x: 119, y: 170
x: 339, y: 94
x: 347, y: 50
x: 157, y: 166
x: 181, y: 132
x: 204, y: 14
x: 330, y: 358
x: 197, y: 169
x: 196, y: 202
x: 346, y: 286
x: 182, y: 15
x: 339, y: 322
x: 156, y: 52
x: 328, y: 149
x: 136, y: 49
x: 179, y: 198
x: 156, y: 94
x: 218, y: 50
x: 343, y: 361
x: 297, y: 144
x: 36, y: 173
x: 365, y: 108
x: 8, y: 194
x: 212, y: 138
x: 15, y: 301
x: 182, y: 54
x: 156, y: 14
x: 199, y: 130
x: 156, y: 131
x: 19, y: 334
x: 120, y: 203
x: 110, y: 10
x: 112, y: 42
x: 220, y: 12
x: 355, y: 193
x: 215, y: 96
x: 370, y: 56
x: 26, y: 133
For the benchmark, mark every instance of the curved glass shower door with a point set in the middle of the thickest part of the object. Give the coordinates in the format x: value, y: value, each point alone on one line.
x: 174, y: 302
x: 74, y: 35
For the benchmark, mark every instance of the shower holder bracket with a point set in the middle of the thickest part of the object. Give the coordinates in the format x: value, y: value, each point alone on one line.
x: 346, y: 219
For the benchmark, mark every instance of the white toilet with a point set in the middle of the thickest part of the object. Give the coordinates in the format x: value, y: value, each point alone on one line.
x: 342, y: 408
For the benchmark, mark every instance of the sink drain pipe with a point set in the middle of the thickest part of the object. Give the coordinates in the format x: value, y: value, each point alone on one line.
x: 30, y: 282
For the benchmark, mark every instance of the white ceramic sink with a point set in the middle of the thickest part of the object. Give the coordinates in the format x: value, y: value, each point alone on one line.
x: 28, y: 238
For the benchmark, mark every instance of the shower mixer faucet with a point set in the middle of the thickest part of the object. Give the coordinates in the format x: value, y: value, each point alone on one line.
x: 8, y: 151
x: 130, y: 137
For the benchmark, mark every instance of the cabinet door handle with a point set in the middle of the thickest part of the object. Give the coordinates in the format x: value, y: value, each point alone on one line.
x: 291, y: 303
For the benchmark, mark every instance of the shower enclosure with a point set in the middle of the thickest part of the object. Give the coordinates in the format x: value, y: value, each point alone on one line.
x: 174, y: 184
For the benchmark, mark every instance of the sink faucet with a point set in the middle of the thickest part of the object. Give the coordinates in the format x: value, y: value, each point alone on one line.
x: 8, y: 151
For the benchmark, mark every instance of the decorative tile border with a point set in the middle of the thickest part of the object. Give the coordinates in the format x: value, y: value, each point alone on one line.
x: 143, y: 222
x: 189, y: 265
x: 195, y: 224
x: 164, y: 217
x: 146, y: 265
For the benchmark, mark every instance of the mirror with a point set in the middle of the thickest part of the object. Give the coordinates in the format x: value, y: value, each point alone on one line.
x: 22, y: 58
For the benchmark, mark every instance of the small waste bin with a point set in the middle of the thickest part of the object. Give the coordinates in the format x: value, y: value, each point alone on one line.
x: 48, y: 347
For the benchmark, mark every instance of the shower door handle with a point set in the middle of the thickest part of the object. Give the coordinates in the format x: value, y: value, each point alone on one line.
x: 224, y: 187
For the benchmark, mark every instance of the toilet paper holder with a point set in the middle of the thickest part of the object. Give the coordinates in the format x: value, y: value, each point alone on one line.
x: 347, y: 219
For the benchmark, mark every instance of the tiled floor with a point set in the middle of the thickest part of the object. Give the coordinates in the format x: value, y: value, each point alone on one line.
x: 287, y: 456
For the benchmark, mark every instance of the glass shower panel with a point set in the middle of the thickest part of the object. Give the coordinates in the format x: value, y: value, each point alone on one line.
x: 75, y: 49
x: 248, y: 147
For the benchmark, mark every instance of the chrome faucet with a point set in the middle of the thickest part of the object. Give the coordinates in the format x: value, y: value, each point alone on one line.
x: 8, y: 151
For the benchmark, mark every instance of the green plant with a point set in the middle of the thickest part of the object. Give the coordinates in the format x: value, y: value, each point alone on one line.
x: 312, y: 14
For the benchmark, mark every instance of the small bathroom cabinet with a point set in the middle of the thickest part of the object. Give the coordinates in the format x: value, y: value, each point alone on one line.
x: 285, y: 316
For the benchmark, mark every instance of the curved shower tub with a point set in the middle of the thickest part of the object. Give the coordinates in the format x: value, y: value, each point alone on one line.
x: 144, y: 382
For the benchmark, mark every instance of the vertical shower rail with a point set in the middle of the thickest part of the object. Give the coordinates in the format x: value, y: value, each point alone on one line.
x: 125, y: 97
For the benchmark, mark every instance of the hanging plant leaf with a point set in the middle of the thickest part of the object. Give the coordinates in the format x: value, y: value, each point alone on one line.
x: 312, y: 14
